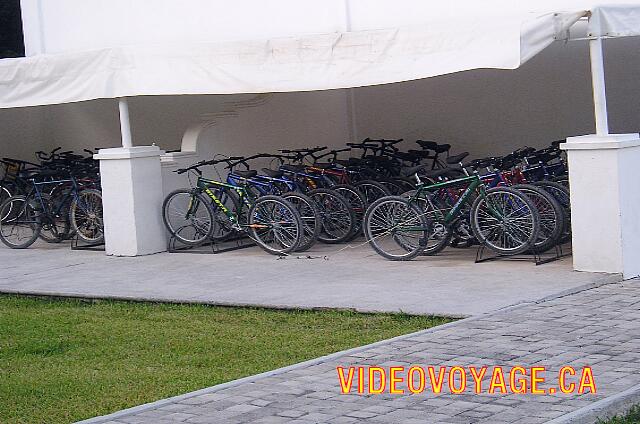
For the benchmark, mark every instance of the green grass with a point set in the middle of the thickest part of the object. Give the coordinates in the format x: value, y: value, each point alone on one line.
x: 633, y: 417
x: 62, y: 361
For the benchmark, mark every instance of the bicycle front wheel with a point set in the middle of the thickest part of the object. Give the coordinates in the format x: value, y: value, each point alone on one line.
x: 395, y: 228
x: 5, y: 193
x: 86, y: 216
x: 188, y: 217
x: 275, y: 225
x: 20, y: 225
x: 505, y: 220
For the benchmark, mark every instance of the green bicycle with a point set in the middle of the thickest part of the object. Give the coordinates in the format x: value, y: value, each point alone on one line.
x: 402, y: 227
x: 216, y: 211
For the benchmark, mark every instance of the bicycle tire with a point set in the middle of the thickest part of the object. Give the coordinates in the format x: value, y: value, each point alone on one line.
x: 358, y: 204
x: 5, y: 193
x: 173, y: 207
x: 372, y: 190
x: 14, y: 212
x: 382, y: 222
x: 310, y: 216
x: 86, y: 216
x: 55, y: 229
x: 338, y: 219
x: 562, y: 195
x: 551, y: 213
x: 273, y: 222
x: 497, y: 225
x: 440, y: 234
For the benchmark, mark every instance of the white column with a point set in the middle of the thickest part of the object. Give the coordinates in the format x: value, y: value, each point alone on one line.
x: 132, y: 195
x: 125, y: 123
x: 599, y: 90
x: 350, y: 92
x: 605, y: 203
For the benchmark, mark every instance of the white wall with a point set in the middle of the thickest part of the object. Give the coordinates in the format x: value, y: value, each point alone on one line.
x: 491, y: 112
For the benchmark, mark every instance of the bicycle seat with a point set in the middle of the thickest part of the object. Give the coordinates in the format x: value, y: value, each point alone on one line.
x: 452, y: 160
x: 272, y: 173
x: 431, y: 145
x: 246, y: 174
x: 292, y: 168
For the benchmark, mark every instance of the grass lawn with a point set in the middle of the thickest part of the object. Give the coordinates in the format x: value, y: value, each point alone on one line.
x: 633, y: 417
x: 67, y: 360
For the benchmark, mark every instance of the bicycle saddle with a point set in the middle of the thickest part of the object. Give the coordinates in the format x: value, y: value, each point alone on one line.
x: 431, y: 145
x: 246, y: 174
x: 452, y: 160
x: 272, y: 173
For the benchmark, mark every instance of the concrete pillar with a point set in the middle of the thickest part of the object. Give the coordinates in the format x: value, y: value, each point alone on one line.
x: 605, y: 202
x: 132, y: 198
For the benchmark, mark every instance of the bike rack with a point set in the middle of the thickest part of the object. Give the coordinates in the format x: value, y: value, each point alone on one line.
x: 539, y: 258
x: 211, y: 247
x: 78, y: 244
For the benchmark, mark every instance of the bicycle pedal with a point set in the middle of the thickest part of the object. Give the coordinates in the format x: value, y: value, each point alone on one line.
x: 422, y: 242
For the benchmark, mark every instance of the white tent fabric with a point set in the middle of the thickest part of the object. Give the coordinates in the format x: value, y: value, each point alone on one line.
x: 490, y: 34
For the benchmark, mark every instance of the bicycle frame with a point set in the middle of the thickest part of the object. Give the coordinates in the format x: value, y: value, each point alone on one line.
x: 475, y: 185
x: 38, y: 194
x: 204, y: 185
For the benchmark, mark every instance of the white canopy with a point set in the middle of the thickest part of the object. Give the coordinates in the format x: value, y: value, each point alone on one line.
x: 426, y: 40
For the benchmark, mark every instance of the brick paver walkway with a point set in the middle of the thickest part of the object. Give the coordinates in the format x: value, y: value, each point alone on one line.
x: 598, y: 327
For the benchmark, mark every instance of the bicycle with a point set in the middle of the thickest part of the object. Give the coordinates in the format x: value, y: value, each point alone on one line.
x: 39, y: 214
x: 215, y: 211
x: 502, y: 218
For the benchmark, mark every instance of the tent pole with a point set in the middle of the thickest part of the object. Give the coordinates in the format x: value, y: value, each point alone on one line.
x: 351, y: 95
x: 125, y: 125
x: 599, y: 91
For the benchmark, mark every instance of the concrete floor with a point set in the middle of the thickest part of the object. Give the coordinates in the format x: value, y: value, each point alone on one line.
x: 449, y: 284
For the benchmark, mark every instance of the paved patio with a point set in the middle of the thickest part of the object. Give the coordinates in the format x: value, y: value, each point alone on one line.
x: 448, y: 284
x: 598, y: 327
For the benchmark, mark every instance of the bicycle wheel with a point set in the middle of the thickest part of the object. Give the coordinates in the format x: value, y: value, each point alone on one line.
x: 188, y: 217
x: 433, y: 210
x: 310, y: 216
x: 551, y: 216
x: 394, y: 187
x: 86, y: 218
x: 395, y: 228
x: 505, y: 220
x: 338, y: 220
x: 275, y: 225
x: 5, y: 193
x: 561, y: 194
x: 20, y: 225
x: 56, y: 227
x: 358, y: 205
x: 372, y: 190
